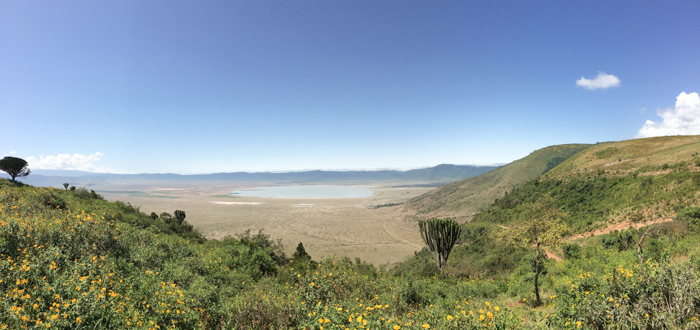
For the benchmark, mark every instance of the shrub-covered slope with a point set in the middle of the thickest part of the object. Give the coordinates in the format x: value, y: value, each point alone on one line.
x: 643, y: 275
x: 71, y: 260
x: 462, y: 199
x: 627, y: 183
x: 636, y: 181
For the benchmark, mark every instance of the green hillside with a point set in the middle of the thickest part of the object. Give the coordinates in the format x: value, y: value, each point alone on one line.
x: 462, y: 199
x: 635, y: 181
x: 646, y: 157
x: 641, y: 200
x: 71, y: 260
x: 623, y: 184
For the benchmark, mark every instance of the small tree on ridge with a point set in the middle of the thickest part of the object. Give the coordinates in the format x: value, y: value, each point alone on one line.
x: 15, y: 167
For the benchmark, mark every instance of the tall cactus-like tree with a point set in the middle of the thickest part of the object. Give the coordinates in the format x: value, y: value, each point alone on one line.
x: 440, y: 235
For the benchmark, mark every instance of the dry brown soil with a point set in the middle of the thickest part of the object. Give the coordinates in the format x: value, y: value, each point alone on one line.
x: 327, y: 227
x: 347, y: 227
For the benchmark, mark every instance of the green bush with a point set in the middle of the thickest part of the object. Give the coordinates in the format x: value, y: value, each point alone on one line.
x: 572, y: 251
x: 691, y: 217
x: 649, y: 297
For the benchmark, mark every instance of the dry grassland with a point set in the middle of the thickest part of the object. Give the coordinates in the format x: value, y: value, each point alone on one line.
x: 342, y: 227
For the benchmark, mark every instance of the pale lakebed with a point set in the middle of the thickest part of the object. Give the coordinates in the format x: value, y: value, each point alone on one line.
x: 307, y: 192
x: 342, y: 226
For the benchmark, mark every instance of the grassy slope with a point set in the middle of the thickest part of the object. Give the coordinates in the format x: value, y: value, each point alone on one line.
x: 72, y: 261
x: 626, y: 157
x: 635, y: 180
x: 601, y: 283
x: 462, y: 199
x: 631, y: 181
x: 81, y: 262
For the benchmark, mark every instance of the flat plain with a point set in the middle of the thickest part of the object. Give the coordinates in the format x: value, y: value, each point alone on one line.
x: 341, y: 227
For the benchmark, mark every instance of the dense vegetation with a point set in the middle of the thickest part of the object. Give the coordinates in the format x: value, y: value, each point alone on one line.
x: 71, y: 260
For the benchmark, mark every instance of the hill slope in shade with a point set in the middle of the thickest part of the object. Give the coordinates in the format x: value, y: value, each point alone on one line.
x: 462, y: 199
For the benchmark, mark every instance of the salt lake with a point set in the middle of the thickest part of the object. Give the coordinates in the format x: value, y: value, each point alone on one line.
x: 307, y: 192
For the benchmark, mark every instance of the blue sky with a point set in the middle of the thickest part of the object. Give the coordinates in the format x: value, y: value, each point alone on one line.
x: 222, y: 86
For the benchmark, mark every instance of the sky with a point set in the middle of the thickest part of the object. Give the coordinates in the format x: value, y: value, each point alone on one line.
x: 224, y: 86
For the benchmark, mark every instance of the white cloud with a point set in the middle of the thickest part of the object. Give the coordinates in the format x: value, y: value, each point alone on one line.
x: 75, y: 162
x: 684, y: 119
x: 13, y: 152
x: 601, y: 81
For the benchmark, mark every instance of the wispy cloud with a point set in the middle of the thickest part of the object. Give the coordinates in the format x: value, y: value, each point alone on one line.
x: 684, y: 119
x: 13, y: 152
x: 601, y: 81
x: 75, y: 162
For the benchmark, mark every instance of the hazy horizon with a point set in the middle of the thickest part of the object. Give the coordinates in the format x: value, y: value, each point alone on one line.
x: 209, y: 87
x: 41, y: 171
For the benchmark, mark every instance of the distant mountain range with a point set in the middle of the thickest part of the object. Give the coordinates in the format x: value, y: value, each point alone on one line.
x: 439, y: 174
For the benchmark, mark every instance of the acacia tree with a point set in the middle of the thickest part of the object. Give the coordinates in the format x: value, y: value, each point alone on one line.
x: 15, y: 167
x: 541, y: 228
x: 440, y: 235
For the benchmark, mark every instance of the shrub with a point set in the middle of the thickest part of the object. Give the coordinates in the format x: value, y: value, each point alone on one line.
x: 81, y: 192
x: 572, y: 251
x: 410, y: 295
x: 262, y: 240
x: 690, y: 216
x: 658, y: 296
